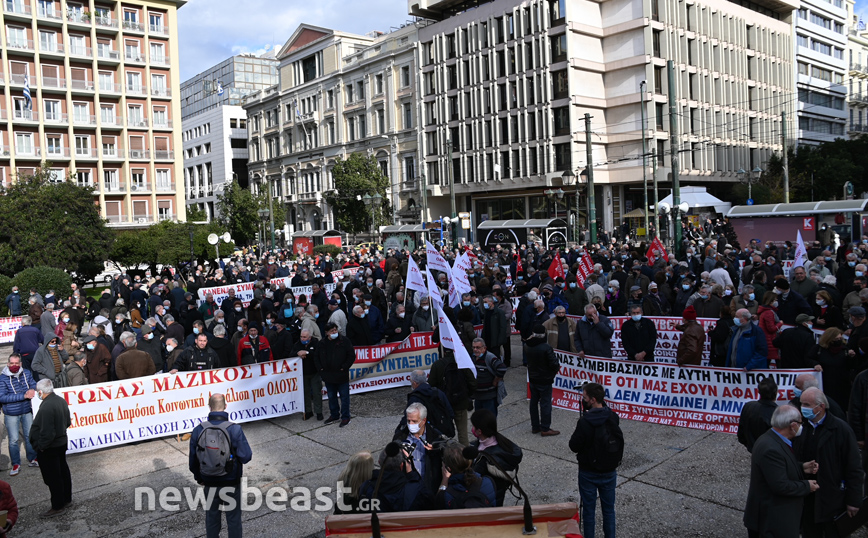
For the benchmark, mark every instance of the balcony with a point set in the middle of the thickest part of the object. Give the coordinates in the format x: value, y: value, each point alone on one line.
x: 49, y: 13
x: 109, y: 87
x: 15, y: 45
x: 140, y: 186
x: 143, y: 219
x: 161, y: 92
x: 136, y: 90
x: 82, y: 85
x: 55, y: 117
x: 81, y: 51
x: 56, y: 152
x: 137, y: 123
x: 134, y: 56
x: 165, y: 187
x: 133, y: 26
x: 162, y: 155
x: 53, y: 82
x: 166, y: 216
x: 17, y: 7
x: 118, y: 187
x: 28, y: 153
x: 162, y: 124
x: 86, y: 153
x: 77, y: 17
x: 159, y: 60
x: 117, y: 219
x: 51, y: 48
x: 158, y: 29
x: 112, y: 154
x: 111, y: 55
x: 111, y: 122
x: 140, y: 155
x: 25, y: 115
x: 84, y: 120
x: 106, y: 22
x: 859, y: 99
x: 858, y: 128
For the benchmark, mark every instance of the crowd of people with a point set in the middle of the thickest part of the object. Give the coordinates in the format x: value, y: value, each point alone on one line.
x: 170, y: 322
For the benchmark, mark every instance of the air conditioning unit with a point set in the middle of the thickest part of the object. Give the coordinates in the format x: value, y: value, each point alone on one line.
x: 134, y: 188
x: 136, y: 154
x: 142, y: 220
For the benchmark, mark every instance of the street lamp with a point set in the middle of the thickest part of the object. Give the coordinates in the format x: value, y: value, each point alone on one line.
x: 749, y: 178
x: 263, y: 215
x: 555, y: 194
x: 372, y: 202
x: 568, y: 178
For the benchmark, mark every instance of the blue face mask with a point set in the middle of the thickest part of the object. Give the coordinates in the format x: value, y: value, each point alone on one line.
x: 195, y: 330
x: 737, y: 322
x: 851, y: 264
x: 269, y: 322
x: 636, y: 318
x: 797, y: 392
x: 828, y: 258
x: 315, y: 316
x: 685, y: 287
x: 305, y: 342
x: 466, y: 303
x: 367, y: 303
x: 485, y: 306
x: 333, y: 336
x: 859, y: 273
x: 808, y: 413
x: 752, y: 296
x: 572, y: 285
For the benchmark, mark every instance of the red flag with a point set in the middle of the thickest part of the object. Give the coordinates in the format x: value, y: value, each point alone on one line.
x: 656, y: 244
x: 556, y: 269
x: 470, y: 253
x: 586, y: 267
x: 518, y: 267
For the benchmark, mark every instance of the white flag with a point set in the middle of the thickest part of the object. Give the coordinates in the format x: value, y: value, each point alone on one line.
x: 433, y: 290
x: 450, y: 340
x: 801, y: 253
x: 435, y: 260
x: 459, y: 273
x: 414, y: 277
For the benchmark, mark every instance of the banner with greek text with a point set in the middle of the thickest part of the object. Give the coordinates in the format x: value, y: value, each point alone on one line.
x: 695, y: 397
x: 244, y: 290
x: 389, y: 365
x: 120, y: 412
x: 9, y: 326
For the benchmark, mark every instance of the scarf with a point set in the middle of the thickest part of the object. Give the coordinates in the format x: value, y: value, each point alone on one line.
x: 55, y: 356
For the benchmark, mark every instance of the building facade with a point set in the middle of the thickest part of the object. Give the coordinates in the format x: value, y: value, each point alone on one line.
x: 101, y: 77
x: 857, y: 79
x: 821, y: 43
x: 505, y: 87
x: 338, y: 94
x: 215, y: 126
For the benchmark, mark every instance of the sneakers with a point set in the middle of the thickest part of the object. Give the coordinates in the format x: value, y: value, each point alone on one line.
x: 33, y: 463
x: 331, y: 420
x: 344, y: 422
x: 550, y: 433
x: 15, y: 470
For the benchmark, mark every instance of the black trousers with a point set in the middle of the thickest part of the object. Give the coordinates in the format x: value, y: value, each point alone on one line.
x: 55, y: 474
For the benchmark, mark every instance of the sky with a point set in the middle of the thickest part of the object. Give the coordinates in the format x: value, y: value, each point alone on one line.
x: 210, y: 31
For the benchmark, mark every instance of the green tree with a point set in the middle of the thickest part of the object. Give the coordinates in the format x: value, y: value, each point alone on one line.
x: 355, y: 177
x: 167, y: 243
x: 52, y: 224
x: 239, y: 212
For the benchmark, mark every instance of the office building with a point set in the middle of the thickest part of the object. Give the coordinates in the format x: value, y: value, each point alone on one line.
x: 215, y: 126
x: 101, y: 76
x: 857, y: 76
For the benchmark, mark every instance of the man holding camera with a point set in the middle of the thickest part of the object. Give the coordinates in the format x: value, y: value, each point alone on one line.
x: 422, y: 441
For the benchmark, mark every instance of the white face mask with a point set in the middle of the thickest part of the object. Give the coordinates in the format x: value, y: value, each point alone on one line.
x: 798, y: 433
x: 401, y: 315
x: 414, y: 428
x: 170, y: 348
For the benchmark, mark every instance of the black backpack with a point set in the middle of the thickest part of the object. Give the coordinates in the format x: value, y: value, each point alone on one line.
x: 608, y: 445
x: 438, y: 415
x: 468, y: 499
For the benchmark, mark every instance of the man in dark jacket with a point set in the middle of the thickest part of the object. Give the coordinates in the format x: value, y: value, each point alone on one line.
x: 795, y: 343
x: 398, y: 326
x: 458, y: 384
x: 831, y: 443
x: 542, y: 367
x: 99, y: 360
x: 490, y: 371
x: 305, y: 348
x: 594, y: 334
x: 756, y: 417
x: 790, y: 303
x: 358, y: 329
x: 416, y: 431
x: 27, y: 341
x: 198, y: 357
x: 228, y: 485
x: 150, y: 344
x: 401, y: 488
x: 222, y: 347
x: 495, y: 327
x: 334, y: 358
x: 595, y: 476
x: 639, y: 336
x: 431, y: 397
x: 48, y: 438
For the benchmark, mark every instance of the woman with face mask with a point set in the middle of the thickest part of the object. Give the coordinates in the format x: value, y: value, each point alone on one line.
x: 769, y: 322
x: 830, y: 357
x: 826, y: 311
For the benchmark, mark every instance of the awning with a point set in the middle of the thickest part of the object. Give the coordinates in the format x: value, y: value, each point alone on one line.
x: 316, y: 233
x: 800, y: 208
x: 404, y: 228
x: 532, y: 223
x: 635, y: 214
x: 698, y: 197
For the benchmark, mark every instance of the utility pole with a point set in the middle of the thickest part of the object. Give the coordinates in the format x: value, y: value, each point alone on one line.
x: 644, y: 152
x: 656, y: 196
x: 592, y: 203
x: 452, y: 226
x: 271, y: 208
x: 786, y: 162
x: 424, y: 194
x: 674, y: 150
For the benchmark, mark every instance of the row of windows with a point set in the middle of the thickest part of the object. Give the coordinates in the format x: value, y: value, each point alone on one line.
x: 821, y: 99
x: 820, y: 20
x: 84, y: 146
x: 821, y: 126
x: 820, y: 73
x: 195, y: 151
x: 819, y: 46
x: 196, y: 132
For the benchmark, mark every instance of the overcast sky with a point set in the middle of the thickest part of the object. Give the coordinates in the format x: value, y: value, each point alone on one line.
x: 210, y: 31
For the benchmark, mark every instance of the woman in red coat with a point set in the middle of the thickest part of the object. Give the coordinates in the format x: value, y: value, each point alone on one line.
x: 769, y: 322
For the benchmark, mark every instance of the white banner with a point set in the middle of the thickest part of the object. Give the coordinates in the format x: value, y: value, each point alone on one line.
x: 120, y: 412
x: 9, y: 326
x: 244, y: 291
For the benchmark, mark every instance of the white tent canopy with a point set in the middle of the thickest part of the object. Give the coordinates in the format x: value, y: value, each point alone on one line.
x: 698, y: 197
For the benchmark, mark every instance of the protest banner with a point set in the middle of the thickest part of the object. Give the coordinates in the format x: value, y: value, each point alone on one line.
x: 667, y: 337
x: 120, y: 412
x: 389, y: 365
x: 695, y: 397
x: 244, y: 290
x: 9, y: 326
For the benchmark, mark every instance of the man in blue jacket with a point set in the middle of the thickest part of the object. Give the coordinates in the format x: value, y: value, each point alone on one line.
x: 225, y: 487
x: 13, y: 302
x: 594, y: 334
x: 747, y: 348
x: 28, y: 340
x: 17, y: 388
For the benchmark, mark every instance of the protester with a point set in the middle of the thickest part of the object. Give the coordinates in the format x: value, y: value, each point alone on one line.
x: 692, y: 341
x: 17, y: 389
x: 639, y: 336
x: 49, y: 440
x: 221, y: 474
x: 359, y: 469
x: 594, y: 334
x: 414, y: 430
x: 795, y: 343
x: 490, y: 372
x: 499, y: 457
x: 542, y: 367
x: 755, y: 418
x: 334, y: 358
x: 459, y: 385
x: 560, y: 331
x: 305, y: 348
x: 461, y: 486
x: 747, y: 348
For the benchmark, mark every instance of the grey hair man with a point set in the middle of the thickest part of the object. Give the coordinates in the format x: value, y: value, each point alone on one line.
x: 48, y: 438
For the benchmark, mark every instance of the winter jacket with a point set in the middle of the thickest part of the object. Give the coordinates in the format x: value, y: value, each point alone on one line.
x: 422, y: 321
x: 791, y: 306
x: 225, y: 352
x: 308, y: 363
x: 27, y: 340
x: 12, y: 390
x: 194, y: 359
x: 43, y: 364
x: 719, y: 337
x: 691, y: 344
x: 240, y: 449
x: 134, y: 363
x: 594, y: 339
x: 437, y: 379
x: 50, y: 424
x: 495, y: 330
x: 542, y: 363
x: 248, y: 355
x: 98, y: 364
x: 153, y: 348
x: 508, y: 455
x: 432, y: 460
x: 752, y: 350
x: 47, y: 323
x: 770, y: 326
x: 553, y: 329
x: 639, y: 337
x: 76, y: 374
x: 577, y: 299
x: 359, y: 331
x: 582, y: 440
x: 334, y: 358
x: 397, y: 323
x: 486, y: 389
x: 794, y: 344
x: 399, y: 491
x: 485, y: 486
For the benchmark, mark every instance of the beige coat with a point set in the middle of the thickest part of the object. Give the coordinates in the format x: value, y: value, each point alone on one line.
x: 551, y: 326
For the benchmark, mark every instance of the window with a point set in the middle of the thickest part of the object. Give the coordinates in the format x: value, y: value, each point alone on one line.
x: 158, y: 53
x: 16, y: 37
x: 158, y: 85
x: 381, y: 121
x: 81, y: 112
x: 405, y: 76
x: 308, y: 68
x: 82, y: 146
x: 112, y: 181
x: 24, y: 143
x: 137, y: 179
x: 560, y: 85
x: 378, y: 81
x: 561, y: 121
x: 77, y: 45
x: 160, y: 116
x: 351, y: 128
x: 655, y: 42
x: 47, y: 41
x: 52, y: 110
x: 109, y: 146
x: 156, y: 22
x: 83, y: 178
x: 407, y: 109
x: 107, y: 114
x: 563, y: 159
x: 54, y: 145
x: 135, y: 115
